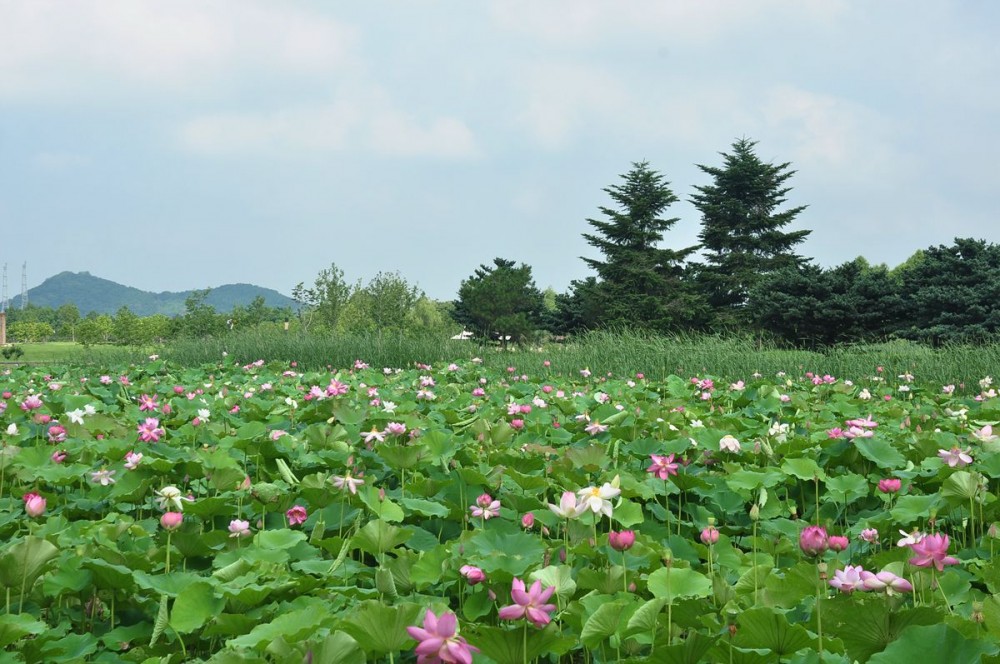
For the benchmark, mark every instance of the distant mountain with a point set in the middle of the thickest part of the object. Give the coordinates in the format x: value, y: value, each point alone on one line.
x: 90, y: 293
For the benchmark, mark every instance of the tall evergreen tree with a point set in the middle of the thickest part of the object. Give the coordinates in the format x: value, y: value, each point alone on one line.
x: 741, y: 234
x: 639, y: 283
x: 951, y: 294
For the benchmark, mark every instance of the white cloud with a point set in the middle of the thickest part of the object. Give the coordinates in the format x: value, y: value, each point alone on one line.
x: 586, y: 22
x: 394, y: 132
x: 366, y: 122
x: 560, y: 100
x: 847, y: 141
x: 295, y: 129
x: 53, y: 48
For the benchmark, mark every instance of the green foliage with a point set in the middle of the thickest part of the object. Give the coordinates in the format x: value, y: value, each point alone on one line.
x: 951, y: 293
x: 500, y: 301
x: 29, y: 331
x: 639, y: 284
x: 200, y: 319
x: 801, y: 304
x: 741, y: 234
x: 12, y: 352
x: 387, y: 304
x: 324, y: 302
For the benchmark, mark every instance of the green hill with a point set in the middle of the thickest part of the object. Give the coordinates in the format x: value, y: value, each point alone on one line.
x: 90, y: 293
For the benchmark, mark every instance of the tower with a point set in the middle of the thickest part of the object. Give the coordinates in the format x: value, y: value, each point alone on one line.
x: 3, y: 293
x: 24, y: 285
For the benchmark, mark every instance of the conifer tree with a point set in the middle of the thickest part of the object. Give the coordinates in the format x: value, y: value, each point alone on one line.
x: 741, y: 234
x: 639, y: 283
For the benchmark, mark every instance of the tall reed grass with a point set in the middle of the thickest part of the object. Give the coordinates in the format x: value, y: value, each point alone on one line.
x: 620, y: 353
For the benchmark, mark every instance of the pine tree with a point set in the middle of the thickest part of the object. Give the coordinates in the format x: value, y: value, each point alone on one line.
x: 639, y: 283
x: 741, y: 234
x: 500, y: 301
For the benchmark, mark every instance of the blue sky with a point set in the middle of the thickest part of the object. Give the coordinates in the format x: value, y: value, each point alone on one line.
x: 192, y: 143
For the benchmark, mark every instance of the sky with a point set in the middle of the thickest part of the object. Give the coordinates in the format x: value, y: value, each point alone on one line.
x: 193, y: 143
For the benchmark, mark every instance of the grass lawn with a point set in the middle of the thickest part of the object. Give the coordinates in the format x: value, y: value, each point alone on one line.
x: 67, y: 352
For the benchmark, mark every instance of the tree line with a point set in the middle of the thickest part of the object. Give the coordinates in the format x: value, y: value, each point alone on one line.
x: 386, y: 304
x: 744, y: 277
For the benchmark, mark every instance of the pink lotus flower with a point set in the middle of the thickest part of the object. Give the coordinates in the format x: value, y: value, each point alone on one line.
x: 239, y: 528
x: 31, y: 403
x: 621, y: 541
x: 729, y: 443
x: 472, y: 574
x: 150, y: 431
x: 395, y: 429
x: 347, y: 482
x: 594, y: 428
x: 932, y: 550
x: 375, y: 435
x: 57, y: 433
x: 849, y: 579
x: 709, y: 535
x: 103, y: 477
x: 890, y: 485
x: 485, y: 507
x: 813, y: 540
x: 985, y: 435
x: 955, y: 457
x: 438, y: 641
x: 171, y: 520
x: 34, y: 505
x: 662, y: 466
x: 568, y: 507
x: 869, y: 535
x: 336, y: 388
x: 886, y: 581
x: 835, y: 433
x: 58, y: 456
x: 517, y: 424
x: 528, y: 520
x: 132, y: 460
x: 837, y: 542
x: 296, y: 515
x: 529, y: 604
x: 147, y: 402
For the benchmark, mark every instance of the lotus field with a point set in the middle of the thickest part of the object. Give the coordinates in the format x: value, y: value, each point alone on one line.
x: 452, y: 513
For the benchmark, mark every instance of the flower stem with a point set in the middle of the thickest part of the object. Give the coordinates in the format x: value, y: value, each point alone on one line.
x: 819, y: 609
x: 167, y: 569
x: 941, y: 588
x: 624, y: 574
x: 524, y: 643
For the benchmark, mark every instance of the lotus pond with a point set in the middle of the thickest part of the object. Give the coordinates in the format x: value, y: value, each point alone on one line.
x: 227, y: 513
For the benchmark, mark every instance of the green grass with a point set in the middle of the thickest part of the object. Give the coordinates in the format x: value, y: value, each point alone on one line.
x: 70, y: 353
x: 621, y: 353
